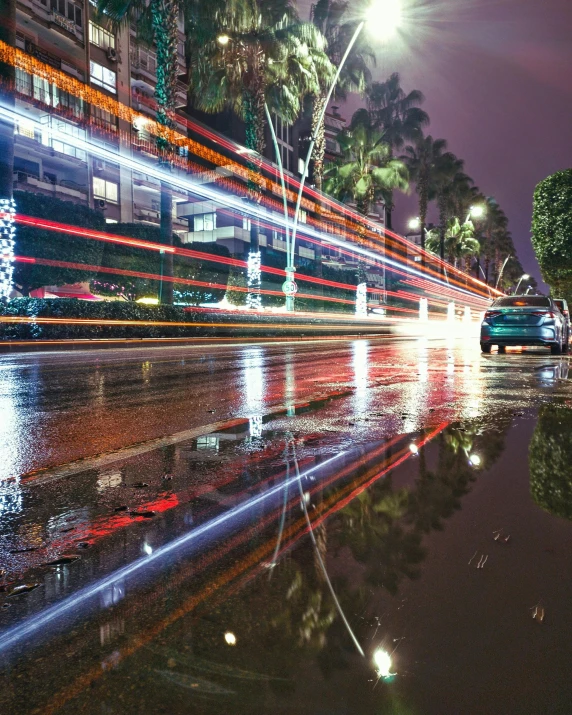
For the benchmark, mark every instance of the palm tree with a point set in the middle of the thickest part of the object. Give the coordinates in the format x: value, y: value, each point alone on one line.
x: 448, y: 167
x: 460, y: 241
x: 260, y: 54
x: 367, y: 171
x: 396, y: 113
x: 7, y: 78
x: 157, y: 20
x: 331, y: 19
x: 423, y: 158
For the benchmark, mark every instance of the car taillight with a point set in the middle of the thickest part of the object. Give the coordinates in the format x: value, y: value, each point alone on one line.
x: 566, y: 313
x: 492, y: 314
x: 544, y: 314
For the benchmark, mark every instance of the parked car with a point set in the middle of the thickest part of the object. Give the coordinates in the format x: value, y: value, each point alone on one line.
x: 563, y: 308
x: 524, y: 320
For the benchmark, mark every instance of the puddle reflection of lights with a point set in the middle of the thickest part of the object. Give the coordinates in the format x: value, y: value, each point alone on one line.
x: 147, y: 549
x: 106, y: 587
x: 255, y: 426
x: 230, y: 638
x: 382, y: 662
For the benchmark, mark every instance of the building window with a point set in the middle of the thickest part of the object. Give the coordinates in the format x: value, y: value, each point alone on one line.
x: 26, y: 128
x: 103, y: 119
x: 67, y: 101
x: 246, y: 223
x: 205, y: 222
x: 68, y: 10
x: 106, y: 190
x: 100, y: 37
x: 59, y: 143
x: 103, y: 77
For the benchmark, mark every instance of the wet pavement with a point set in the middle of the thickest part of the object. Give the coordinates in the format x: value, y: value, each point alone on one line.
x: 352, y: 527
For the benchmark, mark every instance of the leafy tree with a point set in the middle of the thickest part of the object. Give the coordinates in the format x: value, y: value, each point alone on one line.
x: 53, y: 245
x: 549, y: 459
x: 423, y: 158
x: 396, y: 113
x: 367, y: 171
x: 333, y: 19
x: 459, y: 240
x: 552, y: 231
x: 260, y: 53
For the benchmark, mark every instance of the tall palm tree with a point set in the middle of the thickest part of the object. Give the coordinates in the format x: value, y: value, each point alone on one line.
x: 448, y: 167
x: 367, y: 171
x: 332, y: 18
x: 396, y: 113
x: 157, y: 20
x: 423, y: 158
x: 268, y: 56
x: 7, y: 78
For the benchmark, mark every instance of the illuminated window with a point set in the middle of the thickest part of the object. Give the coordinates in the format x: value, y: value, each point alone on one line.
x: 205, y: 222
x: 60, y: 143
x: 100, y: 37
x: 246, y: 223
x: 102, y: 77
x: 25, y: 128
x: 107, y: 190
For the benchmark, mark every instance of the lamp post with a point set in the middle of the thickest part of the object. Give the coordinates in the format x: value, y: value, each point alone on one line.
x: 524, y: 277
x: 506, y: 260
x: 386, y: 14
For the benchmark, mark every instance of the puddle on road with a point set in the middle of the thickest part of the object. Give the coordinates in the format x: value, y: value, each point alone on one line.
x: 199, y: 590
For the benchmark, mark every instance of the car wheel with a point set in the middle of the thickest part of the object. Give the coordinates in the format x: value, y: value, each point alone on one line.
x: 502, y: 349
x: 485, y: 348
x: 556, y: 349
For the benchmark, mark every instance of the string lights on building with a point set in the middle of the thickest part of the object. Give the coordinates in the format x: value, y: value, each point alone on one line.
x: 7, y: 241
x: 361, y: 300
x: 254, y: 277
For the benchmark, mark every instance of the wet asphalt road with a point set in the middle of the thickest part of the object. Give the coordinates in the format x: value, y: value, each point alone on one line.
x: 59, y: 407
x: 248, y: 525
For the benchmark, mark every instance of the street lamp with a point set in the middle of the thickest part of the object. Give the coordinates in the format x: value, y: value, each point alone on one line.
x: 475, y: 212
x: 384, y: 14
x: 414, y: 224
x: 524, y: 277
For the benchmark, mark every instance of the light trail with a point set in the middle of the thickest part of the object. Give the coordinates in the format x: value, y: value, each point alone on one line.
x: 31, y: 625
x: 207, y: 192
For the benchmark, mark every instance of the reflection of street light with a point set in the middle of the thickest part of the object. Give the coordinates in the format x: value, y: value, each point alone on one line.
x: 382, y: 662
x: 413, y: 448
x: 386, y: 13
x: 524, y: 277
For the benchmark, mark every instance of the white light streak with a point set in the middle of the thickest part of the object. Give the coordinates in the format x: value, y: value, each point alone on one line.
x: 361, y: 300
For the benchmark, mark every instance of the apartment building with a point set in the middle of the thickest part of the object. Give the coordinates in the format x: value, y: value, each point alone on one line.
x: 67, y: 35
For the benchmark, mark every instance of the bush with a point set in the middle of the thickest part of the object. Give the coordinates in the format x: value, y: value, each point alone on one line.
x: 550, y: 459
x: 552, y: 231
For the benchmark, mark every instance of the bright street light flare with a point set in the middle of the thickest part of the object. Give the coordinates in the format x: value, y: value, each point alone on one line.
x: 384, y: 18
x: 477, y: 211
x: 414, y: 224
x: 230, y: 638
x: 223, y: 40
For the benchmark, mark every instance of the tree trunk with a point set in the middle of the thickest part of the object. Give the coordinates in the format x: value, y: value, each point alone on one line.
x: 319, y: 132
x: 422, y: 191
x: 165, y: 15
x: 167, y: 240
x: 442, y: 226
x: 7, y: 83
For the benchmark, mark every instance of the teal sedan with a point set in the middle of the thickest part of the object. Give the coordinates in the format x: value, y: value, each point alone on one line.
x: 524, y: 320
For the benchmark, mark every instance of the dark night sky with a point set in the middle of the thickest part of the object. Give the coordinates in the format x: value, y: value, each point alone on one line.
x: 497, y: 76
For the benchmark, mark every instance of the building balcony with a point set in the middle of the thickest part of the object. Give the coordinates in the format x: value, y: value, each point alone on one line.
x: 64, y: 189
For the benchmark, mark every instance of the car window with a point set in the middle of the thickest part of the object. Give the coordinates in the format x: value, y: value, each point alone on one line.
x: 516, y: 301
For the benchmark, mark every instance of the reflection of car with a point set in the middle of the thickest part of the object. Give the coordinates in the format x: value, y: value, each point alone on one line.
x: 562, y: 306
x: 523, y: 320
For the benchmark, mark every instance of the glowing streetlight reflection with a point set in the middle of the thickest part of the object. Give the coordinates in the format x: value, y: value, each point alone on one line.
x: 382, y: 662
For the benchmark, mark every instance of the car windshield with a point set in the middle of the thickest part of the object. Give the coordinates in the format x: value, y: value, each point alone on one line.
x: 517, y: 301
